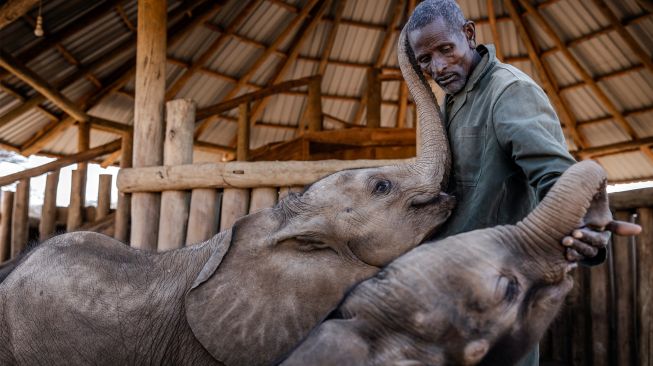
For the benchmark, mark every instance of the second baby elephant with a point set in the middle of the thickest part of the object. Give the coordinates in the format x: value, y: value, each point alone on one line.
x: 483, y: 297
x: 245, y: 296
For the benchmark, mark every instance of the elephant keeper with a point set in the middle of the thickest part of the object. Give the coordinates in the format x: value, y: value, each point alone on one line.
x: 507, y: 145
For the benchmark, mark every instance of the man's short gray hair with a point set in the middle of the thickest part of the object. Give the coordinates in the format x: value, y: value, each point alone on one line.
x: 430, y: 10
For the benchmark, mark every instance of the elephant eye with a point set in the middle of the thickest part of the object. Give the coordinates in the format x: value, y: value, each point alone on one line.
x: 382, y: 187
x: 508, y: 288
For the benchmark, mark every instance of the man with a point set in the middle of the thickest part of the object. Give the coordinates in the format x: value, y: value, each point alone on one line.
x: 507, y: 145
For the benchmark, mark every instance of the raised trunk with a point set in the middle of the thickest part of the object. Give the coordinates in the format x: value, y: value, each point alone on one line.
x: 434, y: 161
x: 563, y: 208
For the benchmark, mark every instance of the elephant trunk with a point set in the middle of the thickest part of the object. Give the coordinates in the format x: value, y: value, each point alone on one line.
x: 563, y: 209
x: 434, y: 159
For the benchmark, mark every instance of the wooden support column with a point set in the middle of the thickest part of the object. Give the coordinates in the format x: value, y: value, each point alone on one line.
x: 599, y: 303
x: 645, y: 286
x: 177, y: 150
x: 49, y: 210
x: 235, y: 202
x: 103, y: 197
x: 75, y: 216
x: 403, y: 105
x: 263, y: 198
x: 20, y: 218
x: 5, y: 225
x: 623, y: 254
x: 123, y: 208
x: 83, y: 144
x: 314, y: 105
x: 203, y: 218
x: 148, y: 116
x: 373, y: 98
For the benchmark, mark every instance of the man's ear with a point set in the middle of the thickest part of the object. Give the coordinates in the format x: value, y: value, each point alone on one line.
x: 469, y: 28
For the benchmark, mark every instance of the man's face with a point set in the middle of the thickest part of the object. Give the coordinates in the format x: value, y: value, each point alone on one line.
x: 447, y: 55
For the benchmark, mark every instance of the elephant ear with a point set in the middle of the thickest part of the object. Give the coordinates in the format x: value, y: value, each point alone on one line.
x: 214, y: 304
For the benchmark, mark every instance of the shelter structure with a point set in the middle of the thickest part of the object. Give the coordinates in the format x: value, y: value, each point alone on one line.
x: 217, y: 108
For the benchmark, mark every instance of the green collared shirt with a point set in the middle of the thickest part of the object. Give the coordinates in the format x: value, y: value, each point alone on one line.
x: 507, y: 146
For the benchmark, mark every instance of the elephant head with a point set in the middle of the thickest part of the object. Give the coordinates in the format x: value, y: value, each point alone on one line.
x: 482, y: 297
x: 287, y: 266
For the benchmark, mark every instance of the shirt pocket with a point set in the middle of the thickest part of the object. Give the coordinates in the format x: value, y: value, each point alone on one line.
x: 468, y: 148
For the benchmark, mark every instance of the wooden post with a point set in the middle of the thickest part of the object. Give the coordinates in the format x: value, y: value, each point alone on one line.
x: 599, y: 308
x: 123, y: 208
x: 19, y: 220
x: 49, y: 210
x: 242, y: 150
x: 5, y: 225
x: 373, y: 98
x: 403, y: 105
x: 203, y: 220
x: 103, y: 197
x: 263, y: 198
x: 83, y: 144
x: 624, y: 285
x: 314, y: 105
x: 177, y: 150
x: 76, y: 206
x: 148, y: 115
x: 645, y: 286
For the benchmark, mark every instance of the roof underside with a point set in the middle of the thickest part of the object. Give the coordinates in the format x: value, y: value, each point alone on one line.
x: 605, y: 84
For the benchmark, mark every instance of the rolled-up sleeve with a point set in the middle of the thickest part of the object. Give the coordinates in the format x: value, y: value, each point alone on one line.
x: 529, y: 131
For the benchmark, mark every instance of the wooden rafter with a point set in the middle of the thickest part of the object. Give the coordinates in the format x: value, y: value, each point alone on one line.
x: 125, y: 19
x: 211, y: 50
x: 14, y: 9
x: 493, y: 26
x: 261, y: 60
x: 528, y: 41
x: 607, y: 103
x: 279, y: 73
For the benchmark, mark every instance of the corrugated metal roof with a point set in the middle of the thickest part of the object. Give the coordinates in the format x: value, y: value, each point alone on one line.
x: 356, y: 47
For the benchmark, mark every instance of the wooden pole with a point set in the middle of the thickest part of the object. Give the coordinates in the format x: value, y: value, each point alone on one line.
x: 5, y: 225
x: 263, y: 198
x: 624, y: 285
x: 373, y: 98
x: 314, y: 105
x: 645, y: 286
x: 148, y: 115
x: 599, y: 303
x: 49, y: 210
x: 19, y: 221
x: 177, y: 149
x: 103, y: 197
x: 83, y: 144
x: 203, y: 217
x: 242, y: 150
x: 403, y: 105
x: 123, y: 208
x: 76, y: 206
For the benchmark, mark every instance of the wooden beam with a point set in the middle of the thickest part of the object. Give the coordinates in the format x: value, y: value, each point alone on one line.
x: 62, y: 162
x: 602, y: 77
x: 41, y: 86
x: 615, y: 148
x: 237, y: 174
x: 20, y: 110
x: 14, y: 9
x: 373, y: 93
x: 626, y: 114
x: 566, y: 116
x: 403, y: 105
x: 601, y: 96
x: 121, y: 11
x: 148, y: 116
x: 5, y: 225
x: 20, y: 218
x: 249, y: 97
x: 45, y: 135
x: 493, y: 26
x: 211, y: 50
x: 328, y: 45
x: 123, y: 207
x: 242, y: 147
x: 314, y: 105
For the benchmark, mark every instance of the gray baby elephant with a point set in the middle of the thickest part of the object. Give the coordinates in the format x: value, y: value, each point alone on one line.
x: 244, y: 297
x: 483, y: 297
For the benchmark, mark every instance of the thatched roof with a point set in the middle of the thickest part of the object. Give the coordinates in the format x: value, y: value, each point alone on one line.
x: 595, y: 56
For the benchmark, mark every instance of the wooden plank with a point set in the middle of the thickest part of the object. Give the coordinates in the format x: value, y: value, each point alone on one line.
x: 62, y: 162
x: 14, y: 9
x: 599, y: 309
x: 123, y: 207
x: 242, y: 147
x: 41, y: 86
x: 47, y: 225
x: 645, y: 287
x: 5, y: 225
x: 624, y: 310
x: 177, y: 149
x: 203, y: 218
x: 103, y: 196
x: 249, y: 97
x: 262, y: 198
x: 373, y: 91
x: 235, y: 204
x: 314, y: 105
x: 148, y: 116
x: 237, y: 174
x: 75, y: 208
x: 20, y: 219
